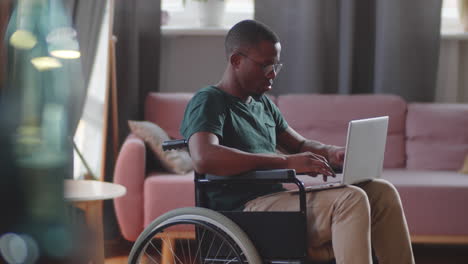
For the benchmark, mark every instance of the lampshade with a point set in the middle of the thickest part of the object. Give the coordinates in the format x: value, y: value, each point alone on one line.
x: 23, y: 37
x: 46, y: 63
x: 61, y: 36
x: 62, y: 43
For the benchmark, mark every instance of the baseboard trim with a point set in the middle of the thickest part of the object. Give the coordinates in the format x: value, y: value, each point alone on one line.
x: 439, y: 239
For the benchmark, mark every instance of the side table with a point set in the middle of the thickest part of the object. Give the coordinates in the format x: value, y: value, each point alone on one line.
x: 88, y: 196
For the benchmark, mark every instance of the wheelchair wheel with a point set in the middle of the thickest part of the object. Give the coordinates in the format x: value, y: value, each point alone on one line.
x: 212, y: 238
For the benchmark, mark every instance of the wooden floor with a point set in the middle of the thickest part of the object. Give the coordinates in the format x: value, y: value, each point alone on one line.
x: 116, y: 260
x: 117, y: 252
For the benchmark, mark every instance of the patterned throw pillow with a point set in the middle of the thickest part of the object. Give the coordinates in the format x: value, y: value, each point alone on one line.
x: 464, y: 168
x: 175, y: 161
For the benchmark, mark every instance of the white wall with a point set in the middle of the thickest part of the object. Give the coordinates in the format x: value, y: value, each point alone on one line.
x: 452, y: 78
x: 189, y: 63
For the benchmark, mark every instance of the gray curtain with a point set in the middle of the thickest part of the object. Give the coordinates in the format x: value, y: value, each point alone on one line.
x: 356, y: 46
x: 87, y: 18
x: 137, y: 29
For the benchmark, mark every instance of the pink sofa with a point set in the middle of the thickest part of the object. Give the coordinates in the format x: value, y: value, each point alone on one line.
x: 426, y: 146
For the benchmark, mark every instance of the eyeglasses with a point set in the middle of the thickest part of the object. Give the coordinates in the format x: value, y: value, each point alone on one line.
x: 267, y: 69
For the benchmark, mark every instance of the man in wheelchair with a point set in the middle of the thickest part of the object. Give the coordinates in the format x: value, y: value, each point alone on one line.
x: 232, y: 127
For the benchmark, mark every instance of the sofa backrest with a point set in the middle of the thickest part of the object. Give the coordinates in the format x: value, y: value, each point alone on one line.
x: 167, y: 111
x: 420, y: 135
x: 325, y: 118
x: 437, y: 136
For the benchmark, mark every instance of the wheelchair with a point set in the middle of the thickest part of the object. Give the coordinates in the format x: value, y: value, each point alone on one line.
x: 226, y: 236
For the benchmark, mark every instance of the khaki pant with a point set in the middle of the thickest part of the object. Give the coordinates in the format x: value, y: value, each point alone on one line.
x: 344, y: 222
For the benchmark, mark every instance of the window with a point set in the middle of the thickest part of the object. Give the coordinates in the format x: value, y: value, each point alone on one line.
x: 89, y: 134
x: 185, y: 14
x: 450, y: 17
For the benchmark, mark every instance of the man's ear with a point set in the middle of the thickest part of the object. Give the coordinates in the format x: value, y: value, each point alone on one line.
x: 234, y: 59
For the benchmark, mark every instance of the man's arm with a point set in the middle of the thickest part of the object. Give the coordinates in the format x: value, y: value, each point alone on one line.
x: 210, y: 157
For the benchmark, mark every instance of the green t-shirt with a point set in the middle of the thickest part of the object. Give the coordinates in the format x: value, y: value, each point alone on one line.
x: 250, y: 127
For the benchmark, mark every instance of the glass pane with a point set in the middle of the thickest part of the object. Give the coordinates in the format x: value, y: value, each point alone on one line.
x: 89, y: 134
x: 450, y: 9
x: 239, y: 5
x: 172, y: 5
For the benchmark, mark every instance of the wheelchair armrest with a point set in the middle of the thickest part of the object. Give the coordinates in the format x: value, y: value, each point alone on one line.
x: 258, y: 177
x: 174, y: 144
x: 279, y: 174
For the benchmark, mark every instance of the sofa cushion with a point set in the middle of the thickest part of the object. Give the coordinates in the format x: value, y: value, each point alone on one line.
x: 175, y: 161
x: 464, y: 168
x: 437, y: 136
x: 325, y: 118
x: 164, y: 192
x: 167, y: 110
x: 433, y: 201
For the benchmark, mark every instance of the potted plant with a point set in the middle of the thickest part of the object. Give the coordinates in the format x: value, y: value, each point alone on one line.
x: 210, y: 12
x: 463, y: 13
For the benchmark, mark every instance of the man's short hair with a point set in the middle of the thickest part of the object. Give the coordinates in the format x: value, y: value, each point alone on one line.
x: 247, y: 34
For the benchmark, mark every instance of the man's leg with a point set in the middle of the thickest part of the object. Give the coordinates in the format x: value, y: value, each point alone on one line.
x: 389, y: 231
x: 340, y: 215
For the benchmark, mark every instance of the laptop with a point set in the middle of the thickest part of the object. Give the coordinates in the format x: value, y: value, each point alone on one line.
x: 365, y: 148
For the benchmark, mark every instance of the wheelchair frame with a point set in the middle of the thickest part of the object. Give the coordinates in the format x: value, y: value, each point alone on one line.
x: 287, y: 245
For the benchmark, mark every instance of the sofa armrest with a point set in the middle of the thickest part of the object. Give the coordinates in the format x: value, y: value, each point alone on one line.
x: 130, y: 169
